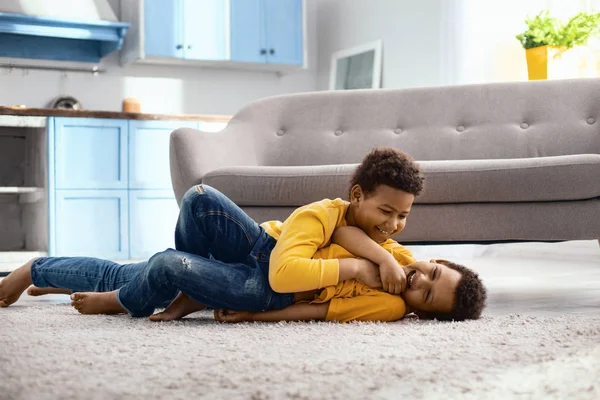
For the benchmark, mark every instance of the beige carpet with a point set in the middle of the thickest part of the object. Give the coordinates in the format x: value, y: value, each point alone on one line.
x: 51, y: 352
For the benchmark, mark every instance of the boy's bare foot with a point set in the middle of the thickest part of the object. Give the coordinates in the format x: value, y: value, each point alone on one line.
x: 37, y: 291
x: 15, y: 284
x: 179, y: 308
x: 97, y: 303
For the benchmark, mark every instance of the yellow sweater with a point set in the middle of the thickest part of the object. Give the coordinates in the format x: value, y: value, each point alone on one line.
x: 304, y: 259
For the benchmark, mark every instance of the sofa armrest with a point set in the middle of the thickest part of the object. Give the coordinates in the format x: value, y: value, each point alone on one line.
x: 193, y: 153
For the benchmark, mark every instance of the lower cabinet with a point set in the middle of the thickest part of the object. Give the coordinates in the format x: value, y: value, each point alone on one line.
x: 129, y: 214
x: 149, y: 166
x: 152, y: 218
x: 92, y: 223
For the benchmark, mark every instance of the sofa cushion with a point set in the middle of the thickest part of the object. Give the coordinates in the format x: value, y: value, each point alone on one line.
x: 560, y: 178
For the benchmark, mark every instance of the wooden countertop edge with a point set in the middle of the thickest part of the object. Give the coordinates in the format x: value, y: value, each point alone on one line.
x: 53, y: 112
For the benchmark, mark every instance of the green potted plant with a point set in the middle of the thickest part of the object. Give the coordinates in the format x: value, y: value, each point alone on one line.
x: 546, y: 39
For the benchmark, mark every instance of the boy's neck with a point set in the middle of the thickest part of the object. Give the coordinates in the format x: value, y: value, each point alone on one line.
x: 350, y: 216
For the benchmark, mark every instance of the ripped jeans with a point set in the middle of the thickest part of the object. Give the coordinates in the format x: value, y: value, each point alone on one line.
x: 221, y: 261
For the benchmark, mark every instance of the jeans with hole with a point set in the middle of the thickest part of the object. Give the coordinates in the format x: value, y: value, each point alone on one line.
x: 221, y: 261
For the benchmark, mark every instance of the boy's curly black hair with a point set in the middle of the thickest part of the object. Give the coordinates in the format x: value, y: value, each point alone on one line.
x: 470, y: 294
x: 391, y: 167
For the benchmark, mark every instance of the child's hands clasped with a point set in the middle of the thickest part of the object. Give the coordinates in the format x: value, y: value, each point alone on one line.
x: 231, y: 316
x: 393, y: 278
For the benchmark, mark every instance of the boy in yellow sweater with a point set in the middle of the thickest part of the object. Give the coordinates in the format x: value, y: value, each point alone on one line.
x: 222, y: 261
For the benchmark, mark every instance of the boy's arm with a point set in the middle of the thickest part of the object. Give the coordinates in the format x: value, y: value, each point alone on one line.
x: 376, y: 306
x: 360, y: 244
x: 357, y: 242
x: 295, y: 312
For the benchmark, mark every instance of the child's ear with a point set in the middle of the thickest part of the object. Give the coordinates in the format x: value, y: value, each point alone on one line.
x: 440, y: 261
x: 355, y: 193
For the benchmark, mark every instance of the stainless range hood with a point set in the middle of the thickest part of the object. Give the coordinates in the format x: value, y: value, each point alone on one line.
x: 59, y: 29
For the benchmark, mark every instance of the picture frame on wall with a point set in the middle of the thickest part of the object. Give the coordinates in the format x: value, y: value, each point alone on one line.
x: 357, y: 67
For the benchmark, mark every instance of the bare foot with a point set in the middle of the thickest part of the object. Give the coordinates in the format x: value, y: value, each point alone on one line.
x: 179, y: 308
x: 97, y: 303
x: 37, y: 291
x: 15, y: 284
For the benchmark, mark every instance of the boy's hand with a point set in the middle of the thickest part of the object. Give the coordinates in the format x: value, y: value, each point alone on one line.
x: 231, y: 316
x: 393, y: 278
x: 368, y: 273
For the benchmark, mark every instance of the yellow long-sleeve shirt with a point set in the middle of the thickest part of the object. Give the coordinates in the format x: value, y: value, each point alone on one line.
x: 353, y: 301
x: 304, y: 259
x: 293, y: 266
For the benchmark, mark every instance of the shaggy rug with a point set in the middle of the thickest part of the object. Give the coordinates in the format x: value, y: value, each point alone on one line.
x: 52, y: 352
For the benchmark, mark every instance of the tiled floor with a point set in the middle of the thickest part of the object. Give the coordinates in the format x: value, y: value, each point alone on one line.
x: 523, y: 278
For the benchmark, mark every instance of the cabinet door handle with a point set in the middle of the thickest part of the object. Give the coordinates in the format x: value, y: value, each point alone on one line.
x: 263, y: 52
x: 189, y: 47
x: 271, y: 51
x: 179, y: 47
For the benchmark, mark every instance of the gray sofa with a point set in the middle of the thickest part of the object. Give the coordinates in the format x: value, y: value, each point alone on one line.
x: 507, y: 161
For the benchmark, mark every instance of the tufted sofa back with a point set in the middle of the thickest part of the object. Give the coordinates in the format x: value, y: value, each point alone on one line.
x: 491, y: 121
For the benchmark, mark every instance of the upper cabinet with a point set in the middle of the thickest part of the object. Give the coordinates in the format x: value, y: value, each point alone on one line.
x: 267, y: 31
x: 204, y: 30
x: 254, y: 34
x: 163, y: 20
x: 189, y: 29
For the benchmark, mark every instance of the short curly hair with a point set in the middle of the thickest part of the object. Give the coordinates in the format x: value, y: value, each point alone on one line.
x: 470, y: 295
x: 388, y: 166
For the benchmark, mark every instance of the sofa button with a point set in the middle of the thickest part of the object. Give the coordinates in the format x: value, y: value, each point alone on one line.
x: 524, y: 125
x: 460, y: 128
x: 397, y: 131
x: 280, y: 132
x: 591, y: 121
x: 337, y: 133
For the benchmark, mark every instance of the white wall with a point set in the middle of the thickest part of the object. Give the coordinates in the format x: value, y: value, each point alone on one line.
x: 411, y: 32
x: 438, y: 42
x: 485, y: 49
x: 426, y: 43
x: 161, y: 89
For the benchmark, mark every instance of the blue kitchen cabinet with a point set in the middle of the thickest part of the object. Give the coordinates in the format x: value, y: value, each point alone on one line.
x: 153, y: 209
x: 283, y: 31
x: 189, y: 29
x: 162, y: 28
x: 109, y: 187
x: 267, y: 31
x: 247, y: 31
x: 149, y: 166
x: 89, y: 153
x: 92, y: 223
x: 204, y: 29
x: 152, y: 216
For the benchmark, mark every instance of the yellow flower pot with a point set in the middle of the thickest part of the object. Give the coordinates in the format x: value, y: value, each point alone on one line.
x: 542, y: 60
x: 549, y: 62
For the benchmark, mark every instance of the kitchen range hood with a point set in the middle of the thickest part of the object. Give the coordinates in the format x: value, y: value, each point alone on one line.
x: 56, y: 38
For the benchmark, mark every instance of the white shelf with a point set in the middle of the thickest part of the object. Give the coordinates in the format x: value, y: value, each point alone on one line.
x: 26, y: 194
x: 19, y: 121
x: 19, y: 190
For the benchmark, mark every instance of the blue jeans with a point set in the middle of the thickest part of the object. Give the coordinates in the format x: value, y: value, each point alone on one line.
x: 221, y: 261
